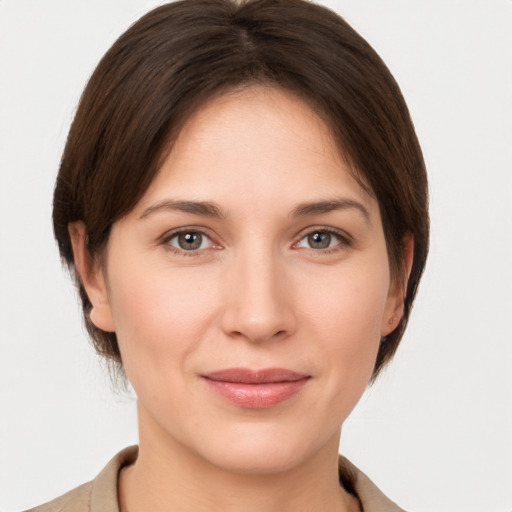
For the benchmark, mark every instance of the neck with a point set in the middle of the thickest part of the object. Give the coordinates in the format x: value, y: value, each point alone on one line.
x: 168, y: 477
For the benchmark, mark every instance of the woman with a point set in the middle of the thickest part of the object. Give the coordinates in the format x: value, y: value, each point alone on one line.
x: 243, y: 201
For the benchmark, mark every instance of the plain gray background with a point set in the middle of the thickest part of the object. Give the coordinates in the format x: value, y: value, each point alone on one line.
x: 435, y: 432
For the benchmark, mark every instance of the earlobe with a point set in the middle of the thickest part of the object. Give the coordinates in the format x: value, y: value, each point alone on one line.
x: 398, y: 290
x: 92, y: 279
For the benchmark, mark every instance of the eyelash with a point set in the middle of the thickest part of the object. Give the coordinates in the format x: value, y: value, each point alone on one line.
x: 344, y: 241
x: 166, y: 239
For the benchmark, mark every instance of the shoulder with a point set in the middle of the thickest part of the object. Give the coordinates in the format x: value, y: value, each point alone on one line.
x: 77, y: 500
x: 371, y: 497
x: 99, y: 495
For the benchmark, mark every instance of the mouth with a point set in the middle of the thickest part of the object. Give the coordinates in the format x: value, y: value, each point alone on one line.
x: 256, y: 389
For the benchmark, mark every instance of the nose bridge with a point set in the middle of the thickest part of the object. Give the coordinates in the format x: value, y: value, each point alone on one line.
x: 258, y: 305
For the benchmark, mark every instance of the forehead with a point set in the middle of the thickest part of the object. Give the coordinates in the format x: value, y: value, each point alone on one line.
x: 260, y: 142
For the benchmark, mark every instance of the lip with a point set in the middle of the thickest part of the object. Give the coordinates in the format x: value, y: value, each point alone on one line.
x: 256, y: 389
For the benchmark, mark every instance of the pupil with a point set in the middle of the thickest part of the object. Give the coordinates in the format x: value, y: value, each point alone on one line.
x: 319, y: 240
x: 190, y: 241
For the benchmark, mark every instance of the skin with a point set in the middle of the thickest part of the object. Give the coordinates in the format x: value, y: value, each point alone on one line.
x: 257, y: 293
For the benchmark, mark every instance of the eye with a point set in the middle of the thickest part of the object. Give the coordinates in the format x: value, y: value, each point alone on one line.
x: 321, y: 239
x: 189, y: 241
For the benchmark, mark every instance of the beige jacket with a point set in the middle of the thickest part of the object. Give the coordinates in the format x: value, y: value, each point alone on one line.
x: 100, y: 495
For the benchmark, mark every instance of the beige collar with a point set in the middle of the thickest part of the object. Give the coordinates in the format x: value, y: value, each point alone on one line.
x: 371, y: 497
x: 100, y: 495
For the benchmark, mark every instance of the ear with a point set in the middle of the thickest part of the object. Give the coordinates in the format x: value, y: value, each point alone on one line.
x: 398, y: 290
x: 92, y: 279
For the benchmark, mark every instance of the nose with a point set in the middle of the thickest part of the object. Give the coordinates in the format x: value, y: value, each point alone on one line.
x: 259, y: 303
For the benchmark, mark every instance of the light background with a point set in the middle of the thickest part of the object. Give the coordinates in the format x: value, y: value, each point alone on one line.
x: 435, y: 433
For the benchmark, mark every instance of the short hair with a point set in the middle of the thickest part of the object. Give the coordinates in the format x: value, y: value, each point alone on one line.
x: 180, y: 55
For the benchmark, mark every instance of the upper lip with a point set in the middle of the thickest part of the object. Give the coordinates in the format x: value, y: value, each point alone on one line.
x: 249, y: 376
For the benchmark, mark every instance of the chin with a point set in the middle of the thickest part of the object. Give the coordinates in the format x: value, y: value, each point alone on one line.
x: 256, y: 460
x: 259, y: 450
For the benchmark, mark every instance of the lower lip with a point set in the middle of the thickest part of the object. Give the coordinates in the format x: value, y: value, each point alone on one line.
x: 257, y: 396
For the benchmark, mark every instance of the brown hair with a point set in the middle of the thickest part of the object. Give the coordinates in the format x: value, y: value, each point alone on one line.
x: 181, y: 54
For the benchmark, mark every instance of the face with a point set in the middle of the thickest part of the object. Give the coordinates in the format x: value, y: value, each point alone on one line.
x: 249, y: 288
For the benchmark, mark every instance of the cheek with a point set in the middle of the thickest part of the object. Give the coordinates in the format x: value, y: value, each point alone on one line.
x: 344, y: 316
x: 350, y: 300
x: 159, y: 315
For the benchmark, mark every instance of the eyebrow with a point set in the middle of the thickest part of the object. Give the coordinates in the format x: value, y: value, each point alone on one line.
x: 319, y: 207
x: 203, y: 208
x: 209, y: 209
